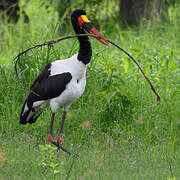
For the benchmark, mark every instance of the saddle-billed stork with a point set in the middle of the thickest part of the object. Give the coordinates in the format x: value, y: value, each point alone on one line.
x: 62, y: 81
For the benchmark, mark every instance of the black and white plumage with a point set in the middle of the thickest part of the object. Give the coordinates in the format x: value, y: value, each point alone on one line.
x: 62, y: 81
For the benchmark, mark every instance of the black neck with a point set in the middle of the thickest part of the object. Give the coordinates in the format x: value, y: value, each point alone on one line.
x: 85, y: 51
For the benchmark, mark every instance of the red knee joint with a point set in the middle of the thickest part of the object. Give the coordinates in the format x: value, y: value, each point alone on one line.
x: 59, y: 139
x: 50, y: 139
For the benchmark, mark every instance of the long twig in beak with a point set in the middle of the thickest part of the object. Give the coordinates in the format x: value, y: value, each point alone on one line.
x: 155, y: 92
x: 16, y: 59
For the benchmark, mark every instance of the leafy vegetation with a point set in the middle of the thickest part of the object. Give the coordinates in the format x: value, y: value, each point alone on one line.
x: 114, y: 130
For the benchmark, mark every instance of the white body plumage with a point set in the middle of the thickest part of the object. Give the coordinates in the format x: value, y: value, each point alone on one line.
x: 75, y: 88
x: 72, y: 90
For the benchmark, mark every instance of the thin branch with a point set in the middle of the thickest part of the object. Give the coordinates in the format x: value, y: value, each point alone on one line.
x: 155, y: 92
x: 16, y: 59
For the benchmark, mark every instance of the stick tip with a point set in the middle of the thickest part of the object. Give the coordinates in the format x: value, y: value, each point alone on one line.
x: 158, y: 100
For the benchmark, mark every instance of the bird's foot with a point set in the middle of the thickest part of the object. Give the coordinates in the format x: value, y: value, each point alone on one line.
x: 50, y: 138
x: 60, y: 147
x: 57, y: 144
x: 59, y: 139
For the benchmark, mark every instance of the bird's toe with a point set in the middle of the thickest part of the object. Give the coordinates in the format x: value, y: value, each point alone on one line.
x: 50, y: 138
x: 59, y: 139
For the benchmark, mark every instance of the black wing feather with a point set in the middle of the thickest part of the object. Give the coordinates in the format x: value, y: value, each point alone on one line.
x: 48, y: 88
x: 43, y: 75
x: 44, y: 87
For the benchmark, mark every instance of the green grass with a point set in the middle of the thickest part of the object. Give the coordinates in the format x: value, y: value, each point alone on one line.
x: 115, y: 130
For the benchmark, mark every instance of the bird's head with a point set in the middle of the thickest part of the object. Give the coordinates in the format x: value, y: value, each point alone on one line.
x: 80, y: 23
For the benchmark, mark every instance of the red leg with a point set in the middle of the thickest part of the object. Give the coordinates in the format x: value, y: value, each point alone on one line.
x: 61, y: 128
x: 50, y: 138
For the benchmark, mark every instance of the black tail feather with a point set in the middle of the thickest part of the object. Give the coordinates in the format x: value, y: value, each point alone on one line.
x: 23, y: 117
x: 30, y: 115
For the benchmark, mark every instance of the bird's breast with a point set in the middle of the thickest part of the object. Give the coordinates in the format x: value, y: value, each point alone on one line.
x: 74, y: 89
